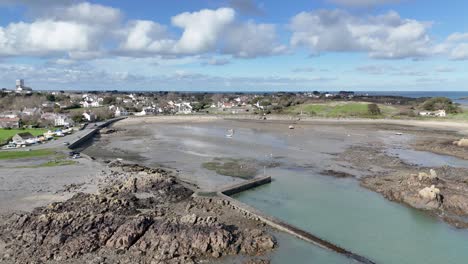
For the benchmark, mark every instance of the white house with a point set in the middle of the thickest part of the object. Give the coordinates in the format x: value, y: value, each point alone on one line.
x: 184, y: 108
x: 438, y: 113
x: 120, y: 111
x: 25, y: 138
x: 89, y: 104
x: 91, y: 117
x: 63, y: 120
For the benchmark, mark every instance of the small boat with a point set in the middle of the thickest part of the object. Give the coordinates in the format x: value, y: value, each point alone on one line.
x: 399, y: 134
x: 291, y: 127
x: 230, y: 133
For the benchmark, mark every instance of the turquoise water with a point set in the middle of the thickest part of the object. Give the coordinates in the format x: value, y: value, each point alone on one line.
x: 293, y: 250
x: 357, y: 219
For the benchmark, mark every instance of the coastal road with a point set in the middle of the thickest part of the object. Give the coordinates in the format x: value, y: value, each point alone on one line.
x: 60, y: 143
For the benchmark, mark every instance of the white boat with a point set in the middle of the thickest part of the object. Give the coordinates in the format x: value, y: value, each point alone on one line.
x: 230, y: 133
x: 291, y: 127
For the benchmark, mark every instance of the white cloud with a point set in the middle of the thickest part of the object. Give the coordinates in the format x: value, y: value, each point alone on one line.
x: 202, y: 29
x: 93, y: 14
x: 78, y: 29
x: 146, y: 36
x: 45, y: 36
x: 387, y: 36
x: 460, y: 52
x: 205, y: 31
x: 456, y: 45
x: 249, y: 40
x: 457, y: 36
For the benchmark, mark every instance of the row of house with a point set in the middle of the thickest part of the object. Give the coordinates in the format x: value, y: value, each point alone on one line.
x: 27, y: 139
x: 438, y: 113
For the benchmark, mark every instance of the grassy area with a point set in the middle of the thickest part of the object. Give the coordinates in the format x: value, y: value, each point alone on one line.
x: 52, y: 163
x: 4, y: 155
x: 232, y: 167
x: 7, y: 134
x: 340, y: 109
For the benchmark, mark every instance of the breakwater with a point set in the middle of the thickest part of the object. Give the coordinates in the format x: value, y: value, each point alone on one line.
x: 244, y: 186
x: 273, y: 222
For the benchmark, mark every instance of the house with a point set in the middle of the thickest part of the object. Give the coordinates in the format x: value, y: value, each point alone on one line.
x: 31, y: 111
x: 183, y: 108
x: 147, y: 111
x: 89, y: 116
x: 10, y: 114
x: 438, y: 113
x: 10, y: 122
x: 25, y: 138
x: 63, y: 120
x: 119, y: 111
x: 89, y: 104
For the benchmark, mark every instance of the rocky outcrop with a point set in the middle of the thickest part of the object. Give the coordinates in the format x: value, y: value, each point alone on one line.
x: 445, y: 195
x: 115, y: 226
x: 461, y: 143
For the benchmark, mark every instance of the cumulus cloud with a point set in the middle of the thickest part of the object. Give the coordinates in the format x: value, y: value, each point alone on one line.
x: 78, y: 29
x: 45, y: 36
x: 144, y: 36
x: 205, y: 31
x: 386, y: 36
x: 201, y: 29
x: 249, y: 40
x: 456, y: 45
x: 93, y: 14
x: 460, y: 52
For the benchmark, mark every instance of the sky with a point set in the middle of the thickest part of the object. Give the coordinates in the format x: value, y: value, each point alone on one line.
x: 235, y: 45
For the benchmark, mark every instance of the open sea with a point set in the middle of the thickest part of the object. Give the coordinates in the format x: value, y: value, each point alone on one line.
x: 460, y: 97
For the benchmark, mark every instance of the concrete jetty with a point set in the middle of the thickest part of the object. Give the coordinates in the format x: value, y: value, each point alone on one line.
x: 88, y: 133
x: 273, y: 222
x: 246, y: 185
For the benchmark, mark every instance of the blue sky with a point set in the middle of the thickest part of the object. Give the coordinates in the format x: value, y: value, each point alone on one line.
x: 235, y: 45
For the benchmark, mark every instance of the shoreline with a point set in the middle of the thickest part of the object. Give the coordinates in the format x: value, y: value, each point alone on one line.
x: 460, y: 126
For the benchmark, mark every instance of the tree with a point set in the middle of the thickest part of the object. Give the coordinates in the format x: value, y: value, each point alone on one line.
x: 50, y: 97
x: 373, y: 109
x: 441, y: 103
x: 108, y: 100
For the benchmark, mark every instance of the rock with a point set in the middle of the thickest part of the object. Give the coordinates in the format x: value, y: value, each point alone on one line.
x: 189, y: 219
x: 114, y: 223
x: 430, y: 193
x: 422, y: 176
x: 462, y: 142
x: 129, y: 233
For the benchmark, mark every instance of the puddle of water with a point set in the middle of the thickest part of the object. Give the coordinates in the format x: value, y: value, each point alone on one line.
x: 427, y: 159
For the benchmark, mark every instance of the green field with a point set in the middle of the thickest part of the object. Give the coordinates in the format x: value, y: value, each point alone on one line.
x: 7, y: 134
x: 339, y: 109
x: 52, y: 163
x: 4, y: 155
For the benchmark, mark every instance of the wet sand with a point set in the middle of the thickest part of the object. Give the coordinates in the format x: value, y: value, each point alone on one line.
x: 24, y: 189
x: 312, y: 148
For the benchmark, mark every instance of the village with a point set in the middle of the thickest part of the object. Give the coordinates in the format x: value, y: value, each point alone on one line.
x: 42, y: 116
